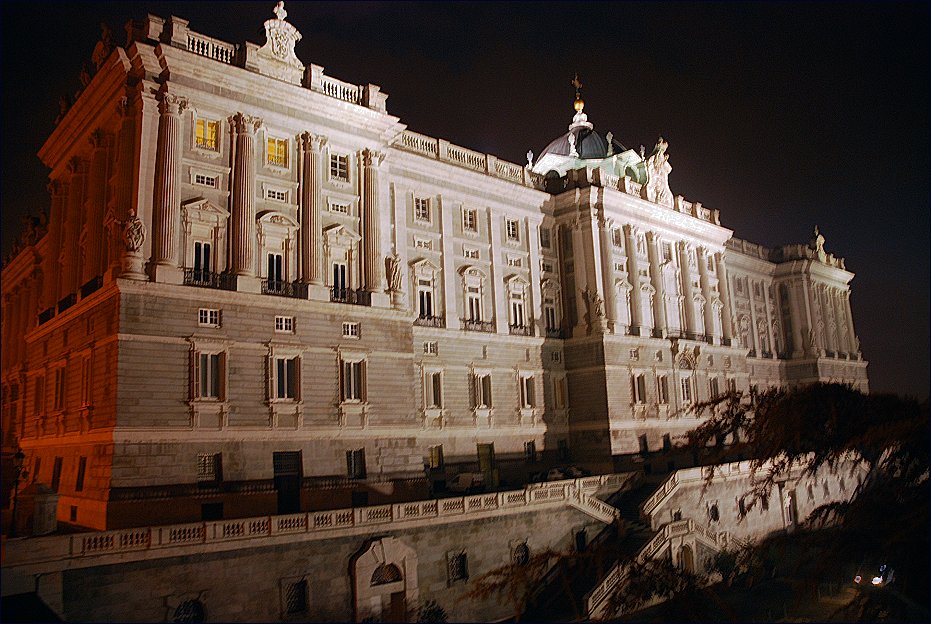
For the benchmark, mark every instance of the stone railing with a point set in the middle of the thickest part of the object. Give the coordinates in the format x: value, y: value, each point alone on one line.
x: 629, y: 186
x: 338, y: 89
x: 211, y: 48
x: 59, y: 549
x: 477, y: 161
x: 748, y: 248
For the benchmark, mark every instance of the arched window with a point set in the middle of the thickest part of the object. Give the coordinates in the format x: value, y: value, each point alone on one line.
x: 386, y: 573
x: 190, y: 611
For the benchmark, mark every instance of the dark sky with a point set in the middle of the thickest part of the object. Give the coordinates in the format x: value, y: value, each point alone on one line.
x: 782, y: 116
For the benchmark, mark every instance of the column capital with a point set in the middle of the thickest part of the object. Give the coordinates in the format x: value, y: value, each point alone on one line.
x: 171, y: 104
x: 243, y: 123
x: 372, y: 158
x: 310, y: 141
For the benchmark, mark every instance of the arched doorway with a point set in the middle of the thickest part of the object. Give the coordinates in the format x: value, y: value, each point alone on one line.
x: 687, y: 559
x: 384, y: 575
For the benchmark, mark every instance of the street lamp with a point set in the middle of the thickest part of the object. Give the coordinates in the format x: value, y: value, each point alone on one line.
x: 20, y: 473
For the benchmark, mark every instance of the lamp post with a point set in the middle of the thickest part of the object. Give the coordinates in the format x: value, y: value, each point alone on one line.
x: 18, y: 460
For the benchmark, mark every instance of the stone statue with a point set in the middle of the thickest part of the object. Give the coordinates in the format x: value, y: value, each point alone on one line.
x: 393, y: 273
x: 85, y: 75
x: 658, y: 168
x: 529, y: 158
x: 279, y: 11
x: 104, y: 46
x: 610, y: 138
x: 63, y: 106
x: 594, y: 306
x: 133, y: 234
x: 572, y: 150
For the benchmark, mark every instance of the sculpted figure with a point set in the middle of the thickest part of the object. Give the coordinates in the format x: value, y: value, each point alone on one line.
x: 104, y: 46
x: 393, y: 273
x: 658, y: 168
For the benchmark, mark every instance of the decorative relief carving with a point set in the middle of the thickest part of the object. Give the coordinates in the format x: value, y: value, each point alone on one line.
x: 133, y: 234
x: 243, y: 123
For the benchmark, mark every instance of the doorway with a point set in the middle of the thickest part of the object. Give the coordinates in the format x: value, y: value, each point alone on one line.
x: 287, y: 468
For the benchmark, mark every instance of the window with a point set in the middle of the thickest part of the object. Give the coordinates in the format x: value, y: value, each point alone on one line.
x: 481, y: 392
x: 60, y: 382
x: 339, y: 207
x: 713, y: 387
x: 436, y: 457
x: 209, y: 467
x: 545, y: 238
x: 339, y: 167
x: 277, y: 152
x: 276, y: 195
x: 82, y: 470
x: 562, y: 449
x: 86, y: 381
x: 457, y: 566
x: 425, y: 298
x: 473, y: 303
x: 430, y: 348
x: 634, y: 354
x: 423, y: 243
x: 549, y: 314
x: 209, y: 375
x: 667, y: 252
x: 638, y: 388
x: 514, y: 261
x: 530, y: 452
x: 731, y: 385
x: 202, y: 179
x: 206, y: 133
x: 275, y: 273
x: 284, y: 324
x: 285, y: 378
x: 713, y: 514
x: 296, y: 597
x: 208, y: 317
x: 617, y: 237
x: 521, y: 554
x: 517, y: 308
x: 527, y: 398
x: 339, y: 279
x: 352, y: 381
x: 685, y: 389
x: 56, y: 474
x: 662, y: 389
x: 556, y: 356
x: 203, y: 260
x: 469, y: 220
x: 470, y: 253
x: 355, y: 464
x: 351, y: 330
x: 559, y: 393
x: 512, y: 227
x: 433, y: 389
x: 546, y: 267
x: 422, y: 209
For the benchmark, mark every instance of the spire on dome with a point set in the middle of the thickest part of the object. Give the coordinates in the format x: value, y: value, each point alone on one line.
x: 580, y: 120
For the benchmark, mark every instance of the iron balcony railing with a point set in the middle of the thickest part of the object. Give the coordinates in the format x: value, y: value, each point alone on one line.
x: 519, y: 330
x: 281, y: 288
x: 209, y: 279
x: 430, y: 321
x: 348, y: 295
x: 480, y: 326
x: 555, y: 332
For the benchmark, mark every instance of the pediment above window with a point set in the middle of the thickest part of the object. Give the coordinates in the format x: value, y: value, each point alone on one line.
x: 339, y: 235
x: 202, y: 210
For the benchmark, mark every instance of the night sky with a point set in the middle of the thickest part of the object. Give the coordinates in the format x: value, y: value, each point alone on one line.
x: 782, y: 116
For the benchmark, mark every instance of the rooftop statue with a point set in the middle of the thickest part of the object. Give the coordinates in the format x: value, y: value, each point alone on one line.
x: 658, y: 168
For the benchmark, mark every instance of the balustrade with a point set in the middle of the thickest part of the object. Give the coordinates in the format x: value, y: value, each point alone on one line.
x: 211, y: 48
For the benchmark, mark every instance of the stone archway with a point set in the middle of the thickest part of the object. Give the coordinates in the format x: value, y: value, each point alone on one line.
x: 687, y: 559
x: 384, y: 580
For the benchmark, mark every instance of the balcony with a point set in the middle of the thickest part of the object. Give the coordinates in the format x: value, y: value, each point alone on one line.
x: 92, y: 285
x: 66, y: 302
x: 555, y: 332
x: 281, y: 288
x: 208, y: 279
x: 519, y: 330
x: 353, y: 297
x: 430, y: 321
x: 479, y: 326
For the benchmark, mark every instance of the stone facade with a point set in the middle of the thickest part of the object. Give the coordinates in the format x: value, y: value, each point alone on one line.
x: 259, y: 292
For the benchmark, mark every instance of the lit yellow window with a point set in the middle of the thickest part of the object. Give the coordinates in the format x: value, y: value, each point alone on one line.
x: 278, y: 152
x: 207, y: 134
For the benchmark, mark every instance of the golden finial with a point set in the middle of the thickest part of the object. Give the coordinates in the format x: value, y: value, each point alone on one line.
x: 579, y: 102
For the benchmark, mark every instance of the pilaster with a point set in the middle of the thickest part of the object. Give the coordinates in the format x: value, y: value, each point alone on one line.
x: 656, y: 275
x: 727, y: 318
x: 311, y: 180
x: 96, y: 206
x: 633, y: 276
x: 373, y: 279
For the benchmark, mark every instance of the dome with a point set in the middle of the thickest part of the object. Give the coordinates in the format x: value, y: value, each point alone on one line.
x: 588, y: 144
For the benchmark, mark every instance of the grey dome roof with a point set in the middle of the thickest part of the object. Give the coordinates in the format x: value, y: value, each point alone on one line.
x: 588, y: 143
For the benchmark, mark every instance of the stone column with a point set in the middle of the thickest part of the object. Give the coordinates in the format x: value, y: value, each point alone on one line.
x: 686, y: 282
x: 727, y: 320
x: 372, y: 262
x: 311, y: 180
x: 769, y: 321
x: 50, y: 292
x: 120, y: 204
x: 633, y: 276
x: 166, y: 218
x: 656, y: 274
x: 796, y: 312
x: 242, y: 196
x: 71, y: 228
x: 814, y: 335
x: 851, y: 336
x: 704, y: 282
x: 96, y: 201
x: 607, y: 273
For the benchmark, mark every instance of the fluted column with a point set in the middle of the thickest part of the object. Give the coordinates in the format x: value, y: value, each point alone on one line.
x: 686, y: 283
x: 50, y: 295
x: 633, y: 276
x: 166, y: 205
x: 69, y: 258
x: 607, y: 273
x: 96, y: 201
x: 656, y: 275
x: 242, y: 248
x: 851, y: 336
x: 372, y: 279
x: 769, y: 320
x: 724, y: 288
x: 311, y: 180
x: 705, y: 283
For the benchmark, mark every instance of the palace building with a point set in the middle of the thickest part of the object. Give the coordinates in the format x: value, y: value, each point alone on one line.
x: 258, y: 292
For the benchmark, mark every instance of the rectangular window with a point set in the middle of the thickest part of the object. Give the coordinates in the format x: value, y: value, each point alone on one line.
x: 296, y: 597
x: 275, y: 271
x: 56, y: 474
x: 731, y: 385
x: 556, y: 356
x: 617, y: 237
x: 422, y: 209
x: 481, y: 392
x: 514, y: 261
x: 433, y: 390
x: 339, y: 167
x: 208, y: 317
x: 425, y: 298
x: 546, y: 267
x: 559, y: 393
x: 667, y: 252
x: 469, y: 220
x: 474, y: 303
x: 512, y: 227
x: 82, y: 470
x: 351, y: 330
x: 685, y: 388
x: 286, y: 378
x: 423, y: 243
x: 662, y: 389
x: 209, y: 373
x: 634, y: 354
x: 339, y: 207
x: 60, y: 383
x: 86, y: 381
x: 203, y: 260
x: 355, y: 464
x: 517, y: 310
x: 209, y: 467
x: 530, y: 451
x: 430, y: 348
x: 546, y: 240
x: 276, y: 195
x: 284, y: 324
x: 202, y: 179
x: 714, y: 388
x: 457, y: 566
x: 277, y: 152
x: 549, y: 315
x: 638, y: 389
x: 527, y: 398
x: 436, y: 457
x: 644, y: 444
x: 352, y: 381
x: 205, y: 134
x: 471, y: 254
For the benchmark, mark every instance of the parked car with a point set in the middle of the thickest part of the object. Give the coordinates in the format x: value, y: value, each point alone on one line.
x: 560, y: 473
x: 467, y: 482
